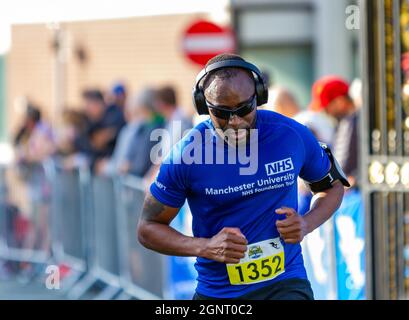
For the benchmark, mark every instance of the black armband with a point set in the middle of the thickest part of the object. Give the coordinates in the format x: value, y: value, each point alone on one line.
x: 335, y: 173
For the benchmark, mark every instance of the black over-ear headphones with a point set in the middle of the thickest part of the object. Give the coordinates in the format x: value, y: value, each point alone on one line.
x: 199, y: 99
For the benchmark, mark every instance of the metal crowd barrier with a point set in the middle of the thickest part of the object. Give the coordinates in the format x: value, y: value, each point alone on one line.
x: 92, y: 223
x: 103, y: 261
x: 16, y: 197
x: 99, y: 216
x: 115, y: 257
x: 70, y: 222
x: 92, y: 229
x: 142, y: 271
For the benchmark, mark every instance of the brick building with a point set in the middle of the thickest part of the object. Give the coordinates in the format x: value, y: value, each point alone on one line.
x: 141, y: 51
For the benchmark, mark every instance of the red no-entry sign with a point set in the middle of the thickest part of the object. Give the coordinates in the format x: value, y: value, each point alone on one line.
x: 203, y: 40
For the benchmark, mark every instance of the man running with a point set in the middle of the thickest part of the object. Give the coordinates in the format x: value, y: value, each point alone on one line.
x: 246, y: 230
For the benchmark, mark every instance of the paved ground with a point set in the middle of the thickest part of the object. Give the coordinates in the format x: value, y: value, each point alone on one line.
x: 32, y: 285
x: 24, y: 286
x: 14, y: 289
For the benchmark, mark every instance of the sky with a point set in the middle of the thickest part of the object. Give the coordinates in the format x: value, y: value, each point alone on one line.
x: 43, y: 11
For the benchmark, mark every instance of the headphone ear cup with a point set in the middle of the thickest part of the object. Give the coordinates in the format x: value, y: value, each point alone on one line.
x: 262, y: 93
x: 199, y: 101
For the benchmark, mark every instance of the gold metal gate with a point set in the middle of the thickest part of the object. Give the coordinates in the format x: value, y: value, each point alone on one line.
x: 385, y: 146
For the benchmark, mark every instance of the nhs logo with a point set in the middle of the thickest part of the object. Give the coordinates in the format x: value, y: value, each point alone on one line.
x: 279, y: 166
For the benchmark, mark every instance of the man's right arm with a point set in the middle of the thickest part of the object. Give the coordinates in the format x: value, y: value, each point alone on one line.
x: 155, y: 233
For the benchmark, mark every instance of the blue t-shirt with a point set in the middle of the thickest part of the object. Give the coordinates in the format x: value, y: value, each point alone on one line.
x: 220, y: 195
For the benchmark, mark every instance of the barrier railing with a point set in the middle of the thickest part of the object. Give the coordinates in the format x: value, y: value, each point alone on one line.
x: 24, y: 215
x: 69, y: 221
x: 142, y: 271
x: 96, y: 222
x: 103, y: 258
x: 92, y: 224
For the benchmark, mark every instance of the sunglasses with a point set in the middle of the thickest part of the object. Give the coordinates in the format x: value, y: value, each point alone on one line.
x: 242, y: 110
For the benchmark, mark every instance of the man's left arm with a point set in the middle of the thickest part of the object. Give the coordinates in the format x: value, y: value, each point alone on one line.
x: 295, y: 227
x: 328, y: 190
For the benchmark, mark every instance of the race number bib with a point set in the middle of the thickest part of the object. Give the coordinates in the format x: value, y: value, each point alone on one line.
x: 263, y: 261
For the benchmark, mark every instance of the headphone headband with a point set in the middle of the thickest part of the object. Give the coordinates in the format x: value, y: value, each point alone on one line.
x: 227, y: 64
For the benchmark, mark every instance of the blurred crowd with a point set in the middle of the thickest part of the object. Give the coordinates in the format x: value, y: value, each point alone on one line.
x: 110, y: 134
x: 332, y: 116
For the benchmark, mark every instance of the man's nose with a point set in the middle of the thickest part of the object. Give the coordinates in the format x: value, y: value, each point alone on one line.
x: 235, y: 121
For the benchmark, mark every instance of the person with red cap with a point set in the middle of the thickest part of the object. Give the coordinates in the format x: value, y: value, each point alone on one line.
x: 331, y: 95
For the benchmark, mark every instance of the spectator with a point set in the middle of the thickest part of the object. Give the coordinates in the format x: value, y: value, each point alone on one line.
x: 118, y: 96
x: 74, y: 126
x: 317, y: 116
x: 176, y: 125
x: 282, y: 101
x: 176, y: 121
x: 267, y: 78
x: 103, y: 127
x: 34, y: 144
x: 132, y: 151
x: 322, y: 126
x: 331, y: 94
x: 30, y: 147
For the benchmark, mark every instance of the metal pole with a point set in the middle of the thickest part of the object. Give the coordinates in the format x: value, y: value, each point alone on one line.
x: 364, y: 134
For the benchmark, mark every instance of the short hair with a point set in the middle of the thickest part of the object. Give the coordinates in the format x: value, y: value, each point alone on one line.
x: 225, y: 73
x: 93, y: 94
x: 76, y: 118
x: 143, y: 99
x: 167, y: 94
